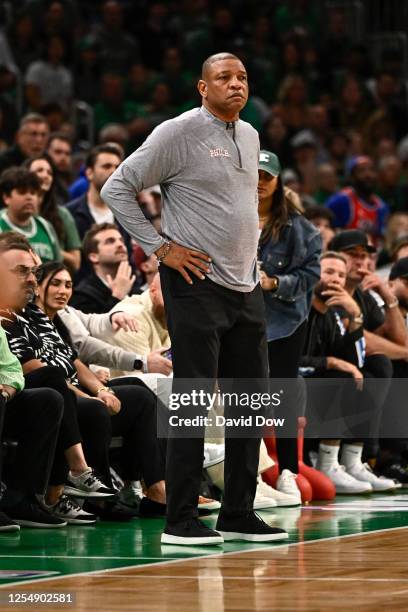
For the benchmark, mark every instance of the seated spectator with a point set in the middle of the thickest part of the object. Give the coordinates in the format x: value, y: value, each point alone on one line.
x: 59, y: 216
x: 322, y: 218
x: 20, y: 192
x: 389, y: 185
x: 152, y: 337
x: 327, y: 183
x: 32, y: 417
x: 59, y: 148
x: 395, y: 236
x: 391, y: 461
x: 111, y: 278
x: 47, y: 80
x: 112, y: 105
x: 357, y: 206
x: 334, y: 348
x: 30, y: 140
x: 69, y: 461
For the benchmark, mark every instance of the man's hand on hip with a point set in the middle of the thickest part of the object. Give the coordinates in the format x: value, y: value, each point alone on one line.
x: 182, y: 259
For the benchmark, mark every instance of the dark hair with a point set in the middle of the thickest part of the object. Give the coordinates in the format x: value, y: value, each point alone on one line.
x: 103, y: 148
x: 49, y: 205
x: 50, y: 270
x: 90, y: 243
x: 315, y: 211
x: 18, y: 178
x: 59, y: 136
x: 282, y: 208
x: 10, y: 241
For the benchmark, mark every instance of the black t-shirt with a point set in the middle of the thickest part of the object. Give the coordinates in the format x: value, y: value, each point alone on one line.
x: 372, y: 313
x: 32, y: 335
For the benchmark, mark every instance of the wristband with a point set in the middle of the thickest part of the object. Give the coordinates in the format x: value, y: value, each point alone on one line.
x: 393, y: 304
x: 107, y: 389
x: 166, y: 250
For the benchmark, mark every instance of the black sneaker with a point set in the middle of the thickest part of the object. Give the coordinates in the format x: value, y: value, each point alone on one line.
x: 189, y: 533
x: 149, y: 508
x: 395, y: 471
x: 87, y: 485
x: 6, y: 524
x: 28, y: 513
x: 68, y: 510
x: 111, y: 511
x: 250, y: 528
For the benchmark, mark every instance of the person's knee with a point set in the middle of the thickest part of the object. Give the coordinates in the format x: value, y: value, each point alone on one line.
x: 48, y: 376
x: 94, y: 415
x: 47, y: 403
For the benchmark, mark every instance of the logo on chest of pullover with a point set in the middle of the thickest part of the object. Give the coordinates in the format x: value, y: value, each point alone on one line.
x: 219, y: 152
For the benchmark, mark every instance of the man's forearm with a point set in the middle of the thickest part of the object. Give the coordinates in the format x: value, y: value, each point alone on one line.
x: 378, y: 344
x: 394, y: 328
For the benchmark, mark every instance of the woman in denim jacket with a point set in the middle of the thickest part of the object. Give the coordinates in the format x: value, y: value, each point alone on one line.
x: 289, y: 251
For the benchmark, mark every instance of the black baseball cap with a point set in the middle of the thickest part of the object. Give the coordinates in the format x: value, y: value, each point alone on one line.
x: 348, y: 239
x: 399, y: 269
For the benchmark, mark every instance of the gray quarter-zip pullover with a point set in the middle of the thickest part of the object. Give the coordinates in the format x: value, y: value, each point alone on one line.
x: 208, y: 173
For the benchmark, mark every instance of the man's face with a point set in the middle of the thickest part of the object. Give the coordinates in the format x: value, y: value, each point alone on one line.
x: 156, y: 296
x: 32, y: 138
x: 105, y: 165
x: 18, y: 270
x: 225, y: 87
x: 357, y: 263
x: 333, y: 272
x: 364, y: 176
x: 399, y: 287
x: 22, y: 203
x: 111, y: 248
x: 60, y: 153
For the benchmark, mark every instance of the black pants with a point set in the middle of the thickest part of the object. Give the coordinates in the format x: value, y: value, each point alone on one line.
x: 32, y: 418
x: 284, y: 357
x: 215, y: 332
x: 69, y: 433
x: 136, y: 423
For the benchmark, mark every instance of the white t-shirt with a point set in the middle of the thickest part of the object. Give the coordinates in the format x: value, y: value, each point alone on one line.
x: 102, y: 216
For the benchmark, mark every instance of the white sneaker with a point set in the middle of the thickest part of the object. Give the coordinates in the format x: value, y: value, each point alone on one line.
x: 364, y: 473
x: 286, y: 483
x: 206, y: 503
x: 345, y: 483
x: 282, y: 499
x: 87, y: 485
x: 262, y: 501
x: 68, y: 510
x: 213, y: 454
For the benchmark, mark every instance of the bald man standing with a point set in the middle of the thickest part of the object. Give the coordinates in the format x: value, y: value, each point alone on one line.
x: 206, y: 163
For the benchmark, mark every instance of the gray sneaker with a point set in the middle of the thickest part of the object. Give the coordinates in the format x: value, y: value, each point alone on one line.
x: 68, y: 510
x: 87, y: 485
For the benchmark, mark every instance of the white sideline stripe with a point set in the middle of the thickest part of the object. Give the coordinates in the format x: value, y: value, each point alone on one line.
x: 73, y: 558
x: 254, y: 579
x: 210, y: 556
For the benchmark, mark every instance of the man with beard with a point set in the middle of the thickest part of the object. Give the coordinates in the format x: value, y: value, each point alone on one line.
x: 357, y: 206
x: 335, y: 350
x: 90, y: 208
x: 111, y: 278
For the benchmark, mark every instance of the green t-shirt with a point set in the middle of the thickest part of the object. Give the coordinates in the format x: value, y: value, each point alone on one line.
x: 39, y: 233
x: 72, y: 240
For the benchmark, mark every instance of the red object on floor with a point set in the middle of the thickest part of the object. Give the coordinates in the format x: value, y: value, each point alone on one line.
x: 311, y: 483
x: 322, y: 486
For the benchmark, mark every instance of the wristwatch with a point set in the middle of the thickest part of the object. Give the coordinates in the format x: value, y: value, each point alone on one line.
x: 138, y: 364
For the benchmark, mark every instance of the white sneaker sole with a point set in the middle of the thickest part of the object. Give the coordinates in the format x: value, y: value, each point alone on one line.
x: 211, y: 462
x: 354, y: 492
x: 214, y: 505
x: 289, y: 504
x: 9, y: 528
x: 73, y: 521
x: 253, y: 537
x: 24, y: 523
x: 166, y: 538
x: 78, y: 493
x: 265, y: 505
